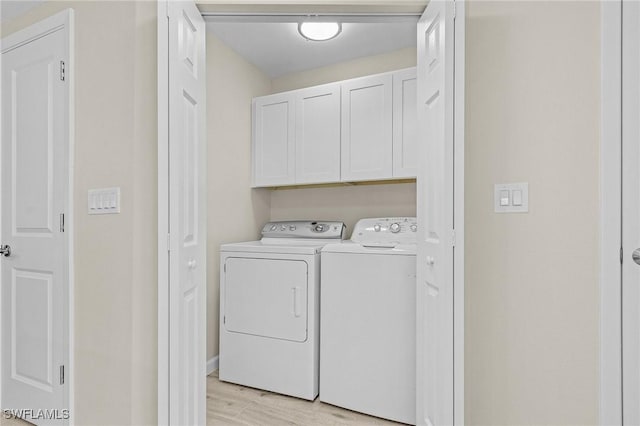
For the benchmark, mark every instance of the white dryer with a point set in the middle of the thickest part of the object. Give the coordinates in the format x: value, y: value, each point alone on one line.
x: 368, y: 320
x: 269, y: 307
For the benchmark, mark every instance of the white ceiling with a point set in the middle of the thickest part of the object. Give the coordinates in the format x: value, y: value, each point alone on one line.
x: 278, y: 49
x: 9, y: 9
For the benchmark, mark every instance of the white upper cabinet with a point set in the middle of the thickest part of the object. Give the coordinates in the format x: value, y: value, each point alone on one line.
x: 318, y: 134
x: 367, y: 128
x: 405, y: 124
x: 362, y: 129
x: 274, y: 140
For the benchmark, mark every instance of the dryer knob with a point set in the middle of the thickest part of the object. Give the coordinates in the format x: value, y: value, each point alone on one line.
x: 395, y: 228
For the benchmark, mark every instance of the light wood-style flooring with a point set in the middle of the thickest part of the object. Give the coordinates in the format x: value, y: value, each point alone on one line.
x: 234, y: 405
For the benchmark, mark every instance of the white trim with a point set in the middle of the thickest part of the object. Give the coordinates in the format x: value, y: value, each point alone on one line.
x: 163, y: 213
x: 61, y: 21
x: 212, y: 364
x: 458, y: 220
x: 610, y: 215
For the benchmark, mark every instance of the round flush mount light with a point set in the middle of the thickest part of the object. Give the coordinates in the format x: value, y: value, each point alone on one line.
x: 319, y: 31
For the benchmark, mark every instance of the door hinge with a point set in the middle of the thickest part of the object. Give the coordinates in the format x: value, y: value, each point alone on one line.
x: 61, y: 222
x: 62, y: 70
x: 62, y: 374
x: 453, y: 238
x: 168, y: 242
x: 621, y: 255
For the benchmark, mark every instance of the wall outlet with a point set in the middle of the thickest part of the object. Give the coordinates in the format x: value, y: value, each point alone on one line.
x: 511, y: 197
x: 104, y: 201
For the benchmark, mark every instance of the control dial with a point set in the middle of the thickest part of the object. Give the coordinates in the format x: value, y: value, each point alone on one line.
x: 376, y: 227
x: 414, y: 228
x: 319, y: 228
x: 395, y: 228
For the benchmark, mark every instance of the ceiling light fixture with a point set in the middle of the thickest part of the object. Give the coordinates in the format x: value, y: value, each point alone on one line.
x: 319, y: 31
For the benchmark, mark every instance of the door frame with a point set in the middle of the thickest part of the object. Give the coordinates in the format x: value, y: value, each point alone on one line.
x: 61, y: 21
x: 611, y: 214
x: 268, y: 11
x: 458, y: 210
x: 163, y: 213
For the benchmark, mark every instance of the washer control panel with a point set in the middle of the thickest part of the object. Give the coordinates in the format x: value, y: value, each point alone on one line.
x: 312, y: 229
x: 386, y: 231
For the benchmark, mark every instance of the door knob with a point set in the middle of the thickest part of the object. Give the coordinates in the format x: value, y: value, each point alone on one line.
x: 635, y: 256
x: 5, y: 250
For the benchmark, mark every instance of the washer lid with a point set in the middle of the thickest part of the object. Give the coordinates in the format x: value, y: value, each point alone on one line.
x: 261, y: 247
x: 374, y: 249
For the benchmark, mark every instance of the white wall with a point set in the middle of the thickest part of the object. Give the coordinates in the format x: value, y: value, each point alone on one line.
x: 532, y: 114
x: 235, y: 211
x: 115, y: 255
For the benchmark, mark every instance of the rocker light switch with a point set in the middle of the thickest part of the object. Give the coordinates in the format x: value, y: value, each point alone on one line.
x: 104, y: 201
x: 511, y: 198
x: 504, y: 197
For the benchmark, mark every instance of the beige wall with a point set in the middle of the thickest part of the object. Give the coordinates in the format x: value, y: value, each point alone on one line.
x: 345, y: 203
x: 532, y: 114
x: 391, y: 61
x: 235, y: 211
x: 115, y: 255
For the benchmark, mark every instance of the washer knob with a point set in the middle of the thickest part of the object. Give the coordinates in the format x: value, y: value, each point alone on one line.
x: 395, y: 228
x: 414, y: 227
x: 319, y: 228
x: 376, y: 227
x: 274, y: 227
x: 292, y: 228
x: 283, y: 228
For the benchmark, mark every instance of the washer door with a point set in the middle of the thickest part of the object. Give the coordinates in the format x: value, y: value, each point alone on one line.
x: 266, y: 297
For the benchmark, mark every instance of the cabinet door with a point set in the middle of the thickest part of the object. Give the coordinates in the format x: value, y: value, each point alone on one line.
x: 318, y: 134
x: 405, y: 124
x: 367, y: 128
x: 273, y: 140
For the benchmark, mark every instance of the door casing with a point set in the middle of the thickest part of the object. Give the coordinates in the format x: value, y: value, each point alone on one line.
x: 61, y: 21
x: 269, y: 11
x: 611, y: 215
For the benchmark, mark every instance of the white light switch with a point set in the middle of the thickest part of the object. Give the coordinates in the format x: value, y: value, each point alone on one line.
x: 504, y: 197
x: 104, y: 201
x: 517, y: 197
x: 511, y: 197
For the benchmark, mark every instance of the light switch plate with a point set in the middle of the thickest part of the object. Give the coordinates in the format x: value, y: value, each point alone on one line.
x: 517, y: 204
x: 104, y: 201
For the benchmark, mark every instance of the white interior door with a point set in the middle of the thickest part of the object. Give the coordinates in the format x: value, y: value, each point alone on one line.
x: 436, y: 213
x: 631, y: 213
x: 187, y: 215
x: 34, y: 162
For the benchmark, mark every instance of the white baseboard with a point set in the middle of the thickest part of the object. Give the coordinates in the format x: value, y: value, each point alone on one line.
x: 212, y: 364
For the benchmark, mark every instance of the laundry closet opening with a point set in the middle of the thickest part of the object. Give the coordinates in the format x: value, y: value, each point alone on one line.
x: 264, y: 60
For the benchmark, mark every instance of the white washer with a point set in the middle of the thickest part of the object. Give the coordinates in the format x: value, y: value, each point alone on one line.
x: 269, y: 307
x: 368, y: 317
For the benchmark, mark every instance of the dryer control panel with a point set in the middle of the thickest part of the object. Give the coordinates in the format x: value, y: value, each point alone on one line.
x: 306, y: 229
x: 386, y: 231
